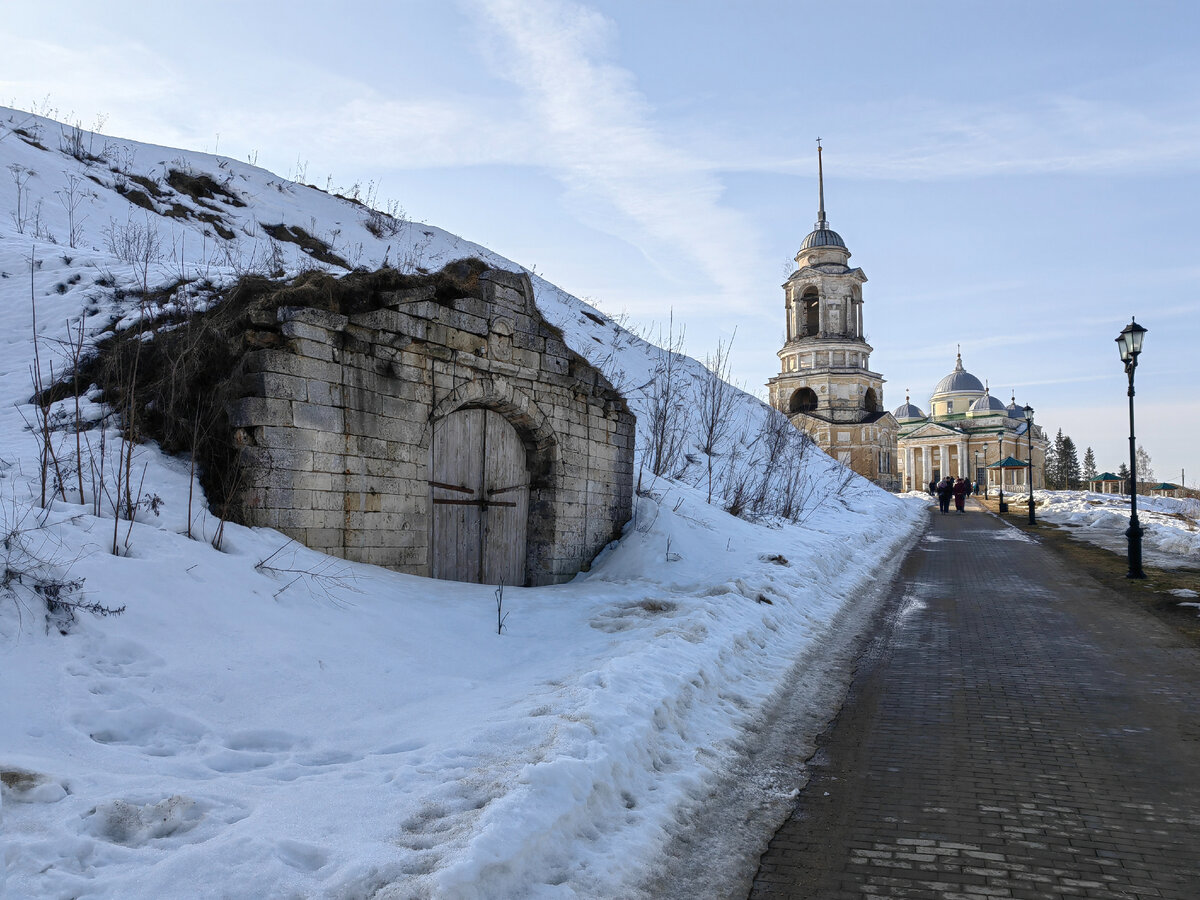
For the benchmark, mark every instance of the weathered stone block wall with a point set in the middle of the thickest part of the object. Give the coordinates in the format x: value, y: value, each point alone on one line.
x: 336, y: 430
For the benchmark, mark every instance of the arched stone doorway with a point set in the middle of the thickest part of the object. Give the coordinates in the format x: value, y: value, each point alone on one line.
x: 479, y: 481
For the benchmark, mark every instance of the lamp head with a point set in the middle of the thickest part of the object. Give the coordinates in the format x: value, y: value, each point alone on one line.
x: 1129, y: 342
x: 1028, y: 415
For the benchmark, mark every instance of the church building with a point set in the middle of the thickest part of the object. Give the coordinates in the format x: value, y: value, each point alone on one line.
x: 825, y: 386
x: 968, y: 433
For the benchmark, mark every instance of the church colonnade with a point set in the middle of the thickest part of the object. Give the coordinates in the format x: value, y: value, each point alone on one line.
x: 946, y: 458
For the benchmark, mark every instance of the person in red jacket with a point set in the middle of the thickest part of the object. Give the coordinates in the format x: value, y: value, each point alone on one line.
x: 960, y: 494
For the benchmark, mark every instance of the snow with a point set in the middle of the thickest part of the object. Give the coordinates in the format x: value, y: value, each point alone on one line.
x: 1171, y: 526
x: 265, y: 721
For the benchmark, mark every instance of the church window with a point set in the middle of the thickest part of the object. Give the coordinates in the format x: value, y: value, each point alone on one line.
x: 949, y: 407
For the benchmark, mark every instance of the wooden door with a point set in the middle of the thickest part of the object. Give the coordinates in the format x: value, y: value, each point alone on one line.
x: 480, y: 493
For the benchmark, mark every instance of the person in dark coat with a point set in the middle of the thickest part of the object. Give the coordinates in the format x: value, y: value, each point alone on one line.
x: 933, y: 487
x: 960, y: 489
x: 945, y: 490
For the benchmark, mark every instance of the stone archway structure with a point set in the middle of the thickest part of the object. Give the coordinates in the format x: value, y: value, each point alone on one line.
x: 542, y: 463
x: 338, y: 431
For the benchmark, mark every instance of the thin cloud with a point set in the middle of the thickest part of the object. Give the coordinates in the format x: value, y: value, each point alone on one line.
x: 598, y: 137
x: 1060, y: 134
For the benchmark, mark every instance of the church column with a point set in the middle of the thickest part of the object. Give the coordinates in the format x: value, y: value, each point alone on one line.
x: 962, y: 461
x: 859, y: 319
x: 822, y: 324
x: 908, y: 468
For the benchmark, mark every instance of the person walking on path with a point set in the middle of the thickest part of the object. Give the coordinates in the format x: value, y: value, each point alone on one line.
x: 960, y: 494
x: 945, y: 490
x: 933, y: 487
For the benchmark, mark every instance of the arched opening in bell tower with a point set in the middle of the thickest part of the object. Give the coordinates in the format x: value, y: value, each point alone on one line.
x: 811, y: 305
x: 803, y: 400
x: 870, y: 401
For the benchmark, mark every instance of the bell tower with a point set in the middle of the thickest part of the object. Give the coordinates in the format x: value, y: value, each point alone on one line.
x: 825, y: 385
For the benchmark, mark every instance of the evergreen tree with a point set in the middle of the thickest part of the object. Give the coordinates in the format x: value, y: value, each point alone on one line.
x: 1123, y: 474
x: 1069, y: 465
x: 1089, y: 465
x: 1054, y: 463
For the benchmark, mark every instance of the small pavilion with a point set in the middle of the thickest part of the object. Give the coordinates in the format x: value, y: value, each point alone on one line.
x: 1003, y: 468
x: 1107, y: 483
x: 1164, y: 489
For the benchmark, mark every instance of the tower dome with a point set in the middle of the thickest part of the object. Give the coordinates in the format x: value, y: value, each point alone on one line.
x: 987, y: 404
x: 960, y: 381
x: 823, y: 236
x: 907, y: 411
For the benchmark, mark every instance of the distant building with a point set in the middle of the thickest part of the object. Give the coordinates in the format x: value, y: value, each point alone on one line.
x: 966, y: 431
x: 825, y: 385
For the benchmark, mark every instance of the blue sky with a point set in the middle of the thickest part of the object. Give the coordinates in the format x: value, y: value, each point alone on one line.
x: 1017, y: 178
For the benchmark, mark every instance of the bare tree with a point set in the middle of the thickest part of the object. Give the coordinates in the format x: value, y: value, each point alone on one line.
x: 1145, y: 471
x: 714, y: 403
x: 666, y: 415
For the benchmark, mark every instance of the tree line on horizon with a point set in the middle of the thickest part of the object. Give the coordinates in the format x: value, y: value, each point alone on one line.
x: 1064, y: 472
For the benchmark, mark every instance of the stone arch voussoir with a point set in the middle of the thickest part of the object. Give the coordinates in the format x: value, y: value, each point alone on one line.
x: 511, y: 402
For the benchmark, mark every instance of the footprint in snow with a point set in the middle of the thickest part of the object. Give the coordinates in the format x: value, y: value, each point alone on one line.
x: 298, y: 855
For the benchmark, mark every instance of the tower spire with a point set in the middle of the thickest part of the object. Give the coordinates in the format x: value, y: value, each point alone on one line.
x: 821, y: 223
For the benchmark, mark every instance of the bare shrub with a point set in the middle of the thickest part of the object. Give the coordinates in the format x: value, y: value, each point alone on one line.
x: 136, y: 243
x: 714, y: 399
x: 76, y: 142
x: 665, y: 405
x: 326, y: 575
x: 21, y: 214
x: 71, y: 197
x: 33, y: 570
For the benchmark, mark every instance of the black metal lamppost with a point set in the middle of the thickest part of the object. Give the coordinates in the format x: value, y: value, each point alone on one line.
x: 987, y: 476
x: 1029, y: 434
x: 1129, y: 343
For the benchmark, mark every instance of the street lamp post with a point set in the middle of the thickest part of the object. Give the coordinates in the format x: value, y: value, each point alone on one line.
x: 1129, y: 343
x: 987, y: 476
x: 1029, y: 434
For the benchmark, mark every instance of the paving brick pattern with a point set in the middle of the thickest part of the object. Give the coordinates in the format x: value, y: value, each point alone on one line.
x: 1016, y: 730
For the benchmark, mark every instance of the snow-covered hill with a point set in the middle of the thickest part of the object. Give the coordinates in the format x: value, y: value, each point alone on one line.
x: 262, y: 721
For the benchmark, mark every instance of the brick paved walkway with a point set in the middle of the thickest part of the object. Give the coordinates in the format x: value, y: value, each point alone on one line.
x: 1015, y: 731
